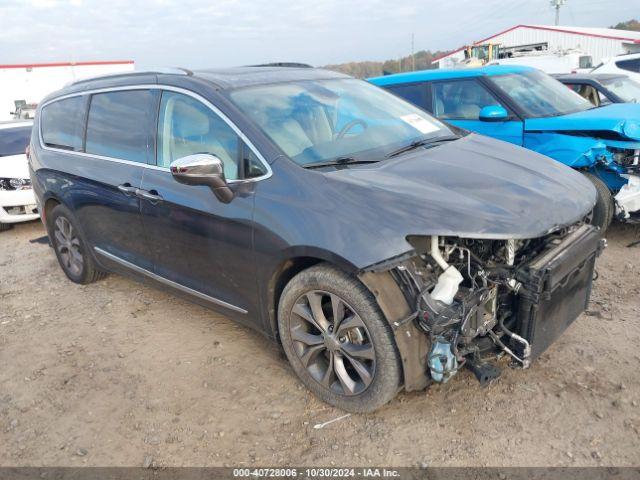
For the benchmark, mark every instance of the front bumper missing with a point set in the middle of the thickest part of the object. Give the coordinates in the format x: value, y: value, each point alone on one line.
x: 628, y: 198
x: 556, y: 288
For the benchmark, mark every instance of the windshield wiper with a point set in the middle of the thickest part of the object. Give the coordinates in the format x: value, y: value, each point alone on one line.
x: 337, y: 161
x: 422, y: 143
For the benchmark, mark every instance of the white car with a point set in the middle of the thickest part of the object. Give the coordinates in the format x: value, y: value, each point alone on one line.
x: 622, y: 64
x: 17, y: 202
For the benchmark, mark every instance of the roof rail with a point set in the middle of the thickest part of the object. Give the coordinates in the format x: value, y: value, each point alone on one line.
x: 162, y: 70
x: 284, y: 64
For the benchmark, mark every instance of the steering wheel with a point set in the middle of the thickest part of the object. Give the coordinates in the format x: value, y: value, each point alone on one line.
x: 344, y: 130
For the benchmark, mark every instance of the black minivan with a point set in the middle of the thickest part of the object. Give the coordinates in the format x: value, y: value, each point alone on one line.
x: 380, y: 247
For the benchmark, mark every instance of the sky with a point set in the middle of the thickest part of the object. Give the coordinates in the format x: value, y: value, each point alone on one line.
x: 221, y: 33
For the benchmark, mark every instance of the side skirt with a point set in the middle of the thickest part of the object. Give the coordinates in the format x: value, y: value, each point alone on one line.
x: 165, y: 281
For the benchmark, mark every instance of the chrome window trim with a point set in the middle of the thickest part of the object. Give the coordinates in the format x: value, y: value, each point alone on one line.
x: 154, y: 86
x: 166, y: 281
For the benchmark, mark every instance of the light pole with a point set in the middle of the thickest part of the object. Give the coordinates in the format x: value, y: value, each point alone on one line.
x: 557, y: 4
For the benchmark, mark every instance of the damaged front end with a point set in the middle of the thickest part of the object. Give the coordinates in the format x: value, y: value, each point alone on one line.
x: 617, y: 163
x: 457, y: 302
x: 610, y: 156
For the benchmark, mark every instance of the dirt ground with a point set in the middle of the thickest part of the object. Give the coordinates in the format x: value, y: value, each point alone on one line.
x: 116, y: 373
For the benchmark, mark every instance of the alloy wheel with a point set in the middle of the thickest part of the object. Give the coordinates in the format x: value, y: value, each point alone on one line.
x: 332, y: 342
x: 68, y: 246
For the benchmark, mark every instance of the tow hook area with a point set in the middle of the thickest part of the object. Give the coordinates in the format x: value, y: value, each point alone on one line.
x: 485, y: 372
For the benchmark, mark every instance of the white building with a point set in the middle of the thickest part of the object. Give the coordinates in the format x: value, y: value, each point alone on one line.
x: 32, y: 82
x: 600, y: 43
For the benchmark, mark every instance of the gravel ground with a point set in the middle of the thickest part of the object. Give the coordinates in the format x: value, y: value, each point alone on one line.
x: 116, y: 373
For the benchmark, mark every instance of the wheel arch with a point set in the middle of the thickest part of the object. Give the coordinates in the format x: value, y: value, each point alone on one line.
x: 48, y: 205
x: 295, y: 262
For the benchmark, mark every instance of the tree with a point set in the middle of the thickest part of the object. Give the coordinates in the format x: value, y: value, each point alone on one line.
x: 628, y: 25
x: 372, y: 69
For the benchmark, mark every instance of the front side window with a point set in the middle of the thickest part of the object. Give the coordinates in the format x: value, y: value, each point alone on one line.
x: 588, y: 92
x: 62, y: 123
x: 629, y: 65
x: 627, y: 89
x: 119, y: 125
x: 461, y: 99
x: 187, y: 126
x: 316, y: 121
x: 539, y: 95
x: 14, y: 141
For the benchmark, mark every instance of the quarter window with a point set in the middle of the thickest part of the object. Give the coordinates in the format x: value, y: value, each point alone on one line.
x: 187, y: 126
x: 461, y: 100
x: 252, y: 166
x: 62, y: 123
x: 120, y: 125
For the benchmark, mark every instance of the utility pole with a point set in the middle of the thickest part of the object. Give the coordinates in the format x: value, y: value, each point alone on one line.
x: 413, y: 55
x: 557, y: 4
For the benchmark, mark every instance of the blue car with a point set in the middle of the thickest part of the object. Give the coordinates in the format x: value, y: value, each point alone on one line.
x: 527, y: 107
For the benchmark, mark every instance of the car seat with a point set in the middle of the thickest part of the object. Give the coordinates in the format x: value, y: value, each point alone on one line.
x: 193, y: 130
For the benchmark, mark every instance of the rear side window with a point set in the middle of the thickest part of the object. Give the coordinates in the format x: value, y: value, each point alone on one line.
x: 14, y: 141
x: 62, y: 123
x: 630, y: 65
x: 119, y: 125
x: 415, y: 93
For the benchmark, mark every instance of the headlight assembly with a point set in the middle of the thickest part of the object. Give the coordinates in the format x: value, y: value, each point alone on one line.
x: 15, y: 184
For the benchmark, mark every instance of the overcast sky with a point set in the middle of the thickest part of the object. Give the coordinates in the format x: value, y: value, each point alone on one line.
x: 199, y: 33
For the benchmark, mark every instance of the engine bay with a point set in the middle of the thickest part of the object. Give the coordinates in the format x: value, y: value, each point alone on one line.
x: 474, y: 300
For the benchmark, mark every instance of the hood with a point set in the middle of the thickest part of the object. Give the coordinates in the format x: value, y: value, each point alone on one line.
x: 475, y: 187
x: 14, y: 166
x: 621, y: 118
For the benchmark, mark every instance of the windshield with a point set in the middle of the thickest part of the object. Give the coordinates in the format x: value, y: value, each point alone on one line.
x: 624, y: 87
x: 316, y: 121
x: 14, y: 141
x: 539, y: 95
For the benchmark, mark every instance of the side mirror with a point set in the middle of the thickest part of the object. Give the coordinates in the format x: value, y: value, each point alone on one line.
x: 202, y: 169
x: 494, y: 113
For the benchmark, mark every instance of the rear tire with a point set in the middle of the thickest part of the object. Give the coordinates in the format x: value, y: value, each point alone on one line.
x: 604, y: 208
x: 71, y: 248
x: 337, y: 340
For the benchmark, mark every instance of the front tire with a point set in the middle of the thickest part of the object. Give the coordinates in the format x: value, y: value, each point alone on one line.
x: 70, y: 247
x: 604, y: 208
x: 337, y: 340
x: 5, y: 226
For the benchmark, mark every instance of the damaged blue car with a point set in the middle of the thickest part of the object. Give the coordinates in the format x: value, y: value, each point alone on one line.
x: 527, y: 107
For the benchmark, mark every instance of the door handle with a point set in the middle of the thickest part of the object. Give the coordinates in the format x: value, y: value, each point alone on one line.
x: 151, y: 196
x: 127, y: 189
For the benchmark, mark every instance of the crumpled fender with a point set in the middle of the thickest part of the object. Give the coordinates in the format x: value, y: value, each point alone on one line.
x: 583, y: 152
x: 630, y: 129
x: 574, y: 151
